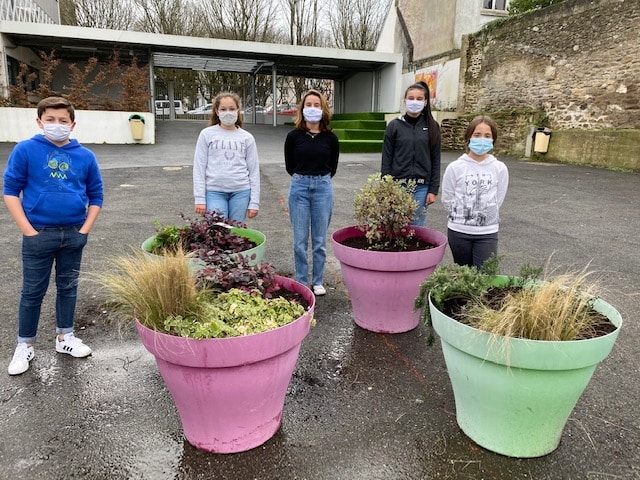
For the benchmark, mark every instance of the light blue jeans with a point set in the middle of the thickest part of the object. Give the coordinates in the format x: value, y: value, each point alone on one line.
x: 420, y: 215
x: 233, y: 205
x: 62, y: 246
x: 310, y: 208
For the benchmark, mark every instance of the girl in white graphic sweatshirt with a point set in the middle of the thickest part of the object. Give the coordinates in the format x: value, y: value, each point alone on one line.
x: 473, y: 189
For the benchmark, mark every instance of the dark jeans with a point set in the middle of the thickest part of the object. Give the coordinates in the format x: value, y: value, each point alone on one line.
x: 472, y: 250
x: 62, y: 245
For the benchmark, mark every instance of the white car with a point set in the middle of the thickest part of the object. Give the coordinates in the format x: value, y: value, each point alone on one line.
x: 258, y: 108
x: 162, y: 107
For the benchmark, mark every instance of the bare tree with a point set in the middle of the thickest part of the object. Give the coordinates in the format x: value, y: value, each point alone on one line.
x: 356, y: 24
x: 112, y: 14
x: 306, y: 25
x: 252, y: 20
x: 171, y: 17
x: 248, y: 20
x: 68, y: 12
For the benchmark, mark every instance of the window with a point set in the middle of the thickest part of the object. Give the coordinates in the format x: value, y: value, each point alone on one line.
x: 494, y: 4
x: 14, y: 70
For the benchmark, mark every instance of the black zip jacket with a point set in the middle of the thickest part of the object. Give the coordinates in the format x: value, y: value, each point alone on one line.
x: 406, y: 153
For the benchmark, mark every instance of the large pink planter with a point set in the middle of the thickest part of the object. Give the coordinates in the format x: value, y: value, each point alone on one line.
x: 383, y: 286
x: 230, y: 392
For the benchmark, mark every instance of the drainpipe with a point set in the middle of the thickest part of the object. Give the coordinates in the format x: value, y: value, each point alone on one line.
x: 274, y: 76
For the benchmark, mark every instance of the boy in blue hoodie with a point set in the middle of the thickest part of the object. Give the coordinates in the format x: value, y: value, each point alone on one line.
x: 53, y: 191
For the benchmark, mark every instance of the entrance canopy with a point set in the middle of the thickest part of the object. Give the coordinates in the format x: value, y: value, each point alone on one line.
x: 375, y: 70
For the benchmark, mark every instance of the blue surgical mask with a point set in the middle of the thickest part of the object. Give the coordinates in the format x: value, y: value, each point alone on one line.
x: 480, y: 146
x: 414, y: 106
x: 56, y: 132
x: 312, y: 114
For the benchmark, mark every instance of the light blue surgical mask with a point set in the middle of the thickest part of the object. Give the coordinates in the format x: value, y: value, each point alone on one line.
x: 480, y: 146
x: 56, y: 132
x: 414, y: 106
x: 312, y: 114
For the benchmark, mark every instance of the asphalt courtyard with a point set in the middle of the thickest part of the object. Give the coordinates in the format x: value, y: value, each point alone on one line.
x: 361, y: 405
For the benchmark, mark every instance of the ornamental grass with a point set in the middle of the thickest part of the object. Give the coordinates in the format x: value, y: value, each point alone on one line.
x: 556, y: 309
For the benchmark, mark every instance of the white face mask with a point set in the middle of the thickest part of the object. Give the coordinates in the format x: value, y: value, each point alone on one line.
x: 228, y: 117
x: 56, y: 132
x: 312, y: 114
x: 414, y: 106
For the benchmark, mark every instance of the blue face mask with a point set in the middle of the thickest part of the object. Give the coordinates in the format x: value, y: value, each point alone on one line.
x: 480, y: 146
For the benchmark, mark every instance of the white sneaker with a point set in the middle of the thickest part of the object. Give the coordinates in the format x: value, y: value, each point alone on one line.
x: 319, y: 290
x: 72, y: 345
x: 21, y: 358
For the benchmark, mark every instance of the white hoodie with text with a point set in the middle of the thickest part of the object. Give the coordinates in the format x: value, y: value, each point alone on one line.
x: 473, y: 192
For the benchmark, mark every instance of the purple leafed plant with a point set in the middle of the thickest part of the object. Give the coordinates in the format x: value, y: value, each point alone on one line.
x: 209, y: 236
x: 233, y: 271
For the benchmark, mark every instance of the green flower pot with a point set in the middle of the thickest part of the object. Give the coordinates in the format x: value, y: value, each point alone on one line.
x: 254, y: 255
x: 514, y: 396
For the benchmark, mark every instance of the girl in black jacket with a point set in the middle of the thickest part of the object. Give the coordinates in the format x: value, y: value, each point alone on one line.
x: 411, y: 149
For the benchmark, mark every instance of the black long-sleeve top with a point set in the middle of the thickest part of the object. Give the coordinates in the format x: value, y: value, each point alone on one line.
x: 311, y: 154
x: 406, y: 153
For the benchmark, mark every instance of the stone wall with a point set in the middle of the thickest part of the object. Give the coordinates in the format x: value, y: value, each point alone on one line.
x: 514, y: 128
x: 574, y: 64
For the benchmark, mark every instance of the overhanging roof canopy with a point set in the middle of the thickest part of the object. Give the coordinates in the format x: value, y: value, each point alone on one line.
x: 208, y: 63
x: 196, y: 53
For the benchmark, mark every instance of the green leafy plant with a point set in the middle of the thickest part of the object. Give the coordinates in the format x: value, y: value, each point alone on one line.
x: 384, y: 209
x: 453, y: 281
x: 164, y: 295
x: 235, y: 313
x: 167, y: 238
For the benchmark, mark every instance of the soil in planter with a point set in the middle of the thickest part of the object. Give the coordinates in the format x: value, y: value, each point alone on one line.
x: 454, y: 308
x: 412, y: 244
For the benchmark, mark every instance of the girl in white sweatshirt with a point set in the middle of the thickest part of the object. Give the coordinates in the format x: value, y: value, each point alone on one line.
x: 473, y: 189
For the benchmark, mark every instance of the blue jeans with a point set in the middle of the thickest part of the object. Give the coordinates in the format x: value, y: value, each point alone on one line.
x: 233, y: 205
x: 420, y: 215
x: 472, y: 250
x: 310, y: 208
x: 62, y: 245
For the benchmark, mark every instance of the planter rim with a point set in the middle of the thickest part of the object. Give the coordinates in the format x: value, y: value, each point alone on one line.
x: 389, y: 261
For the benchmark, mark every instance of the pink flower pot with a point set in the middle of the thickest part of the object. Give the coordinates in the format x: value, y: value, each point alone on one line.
x: 383, y: 286
x: 229, y: 392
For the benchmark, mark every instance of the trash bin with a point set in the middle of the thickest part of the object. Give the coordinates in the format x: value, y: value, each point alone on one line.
x: 136, y: 122
x: 541, y: 139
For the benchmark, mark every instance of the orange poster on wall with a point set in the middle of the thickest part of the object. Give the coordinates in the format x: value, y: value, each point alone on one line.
x: 430, y: 79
